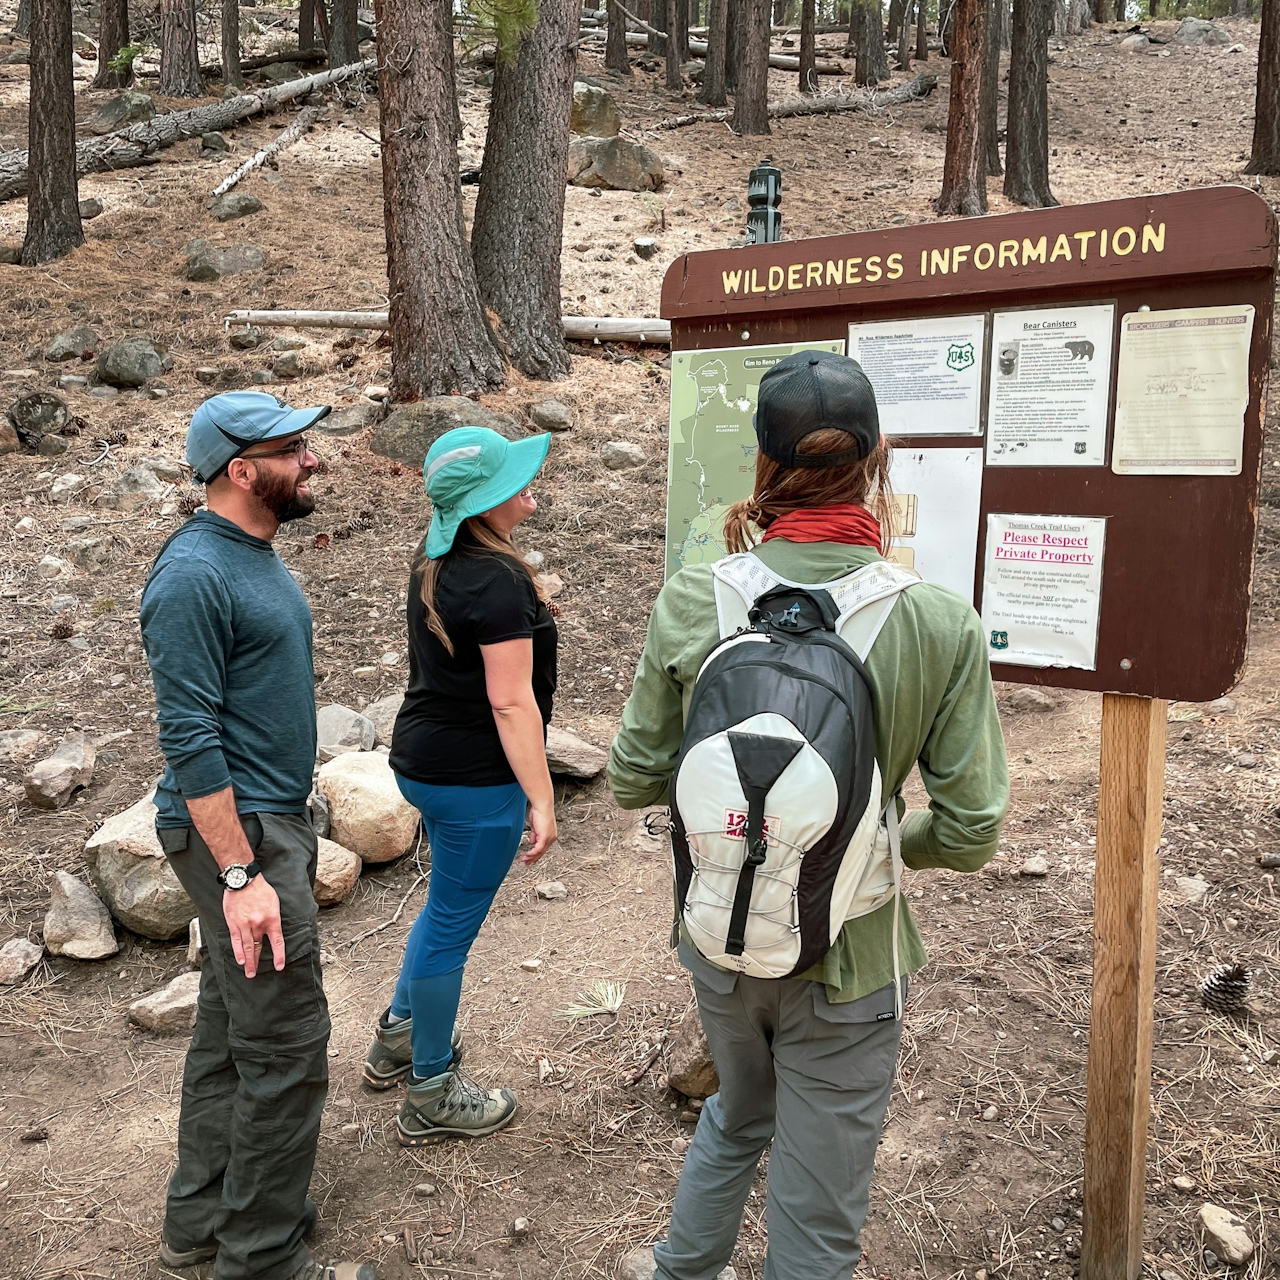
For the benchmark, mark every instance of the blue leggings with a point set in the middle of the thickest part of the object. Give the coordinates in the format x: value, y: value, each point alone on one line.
x: 474, y: 833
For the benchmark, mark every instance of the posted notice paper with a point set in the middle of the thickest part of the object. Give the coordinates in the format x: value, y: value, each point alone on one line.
x: 1041, y: 587
x: 927, y: 374
x: 1049, y: 388
x: 1182, y: 392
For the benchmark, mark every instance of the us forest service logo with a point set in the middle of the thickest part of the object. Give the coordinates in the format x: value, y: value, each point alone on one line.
x: 999, y: 639
x: 960, y: 356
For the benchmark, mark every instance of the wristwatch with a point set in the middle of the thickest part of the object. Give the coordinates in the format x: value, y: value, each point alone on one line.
x: 237, y: 875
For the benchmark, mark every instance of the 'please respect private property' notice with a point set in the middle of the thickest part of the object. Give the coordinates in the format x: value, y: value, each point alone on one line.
x: 1041, y: 589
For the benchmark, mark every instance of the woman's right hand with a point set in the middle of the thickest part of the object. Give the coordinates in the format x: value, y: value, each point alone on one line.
x: 542, y: 833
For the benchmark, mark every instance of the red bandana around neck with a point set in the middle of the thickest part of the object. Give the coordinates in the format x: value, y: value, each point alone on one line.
x: 846, y: 522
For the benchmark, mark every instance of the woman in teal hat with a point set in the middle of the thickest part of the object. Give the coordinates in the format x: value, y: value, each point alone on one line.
x: 469, y: 752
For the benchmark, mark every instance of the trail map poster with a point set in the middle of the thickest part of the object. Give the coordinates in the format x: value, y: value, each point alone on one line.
x: 712, y: 459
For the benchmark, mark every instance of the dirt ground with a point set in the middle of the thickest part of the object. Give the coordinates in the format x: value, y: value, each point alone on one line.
x: 1000, y: 1016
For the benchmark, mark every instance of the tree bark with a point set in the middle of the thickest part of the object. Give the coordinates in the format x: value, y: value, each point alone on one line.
x: 922, y: 31
x: 1119, y: 10
x: 893, y: 27
x: 872, y: 63
x: 179, y: 55
x: 964, y: 183
x: 991, y: 92
x: 1026, y: 150
x: 22, y: 23
x: 440, y: 339
x: 1265, y: 157
x: 655, y: 14
x: 113, y: 35
x: 732, y: 44
x: 808, y: 48
x: 307, y: 24
x: 751, y: 104
x: 344, y: 39
x: 615, y: 45
x: 674, y: 80
x: 712, y: 93
x: 681, y: 29
x: 904, y: 40
x: 1154, y: 6
x: 231, y: 73
x: 516, y: 236
x: 53, y: 209
x: 1099, y: 10
x: 946, y: 26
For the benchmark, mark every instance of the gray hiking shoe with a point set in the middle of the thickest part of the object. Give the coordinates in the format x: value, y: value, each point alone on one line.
x: 390, y: 1056
x: 452, y: 1105
x: 336, y: 1271
x: 172, y: 1257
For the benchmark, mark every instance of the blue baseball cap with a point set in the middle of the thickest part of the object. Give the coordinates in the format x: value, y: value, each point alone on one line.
x: 471, y: 470
x: 225, y: 426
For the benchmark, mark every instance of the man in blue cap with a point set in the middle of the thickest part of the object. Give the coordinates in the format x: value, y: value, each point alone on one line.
x: 228, y: 636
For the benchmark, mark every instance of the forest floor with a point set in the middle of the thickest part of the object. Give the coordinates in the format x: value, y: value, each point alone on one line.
x: 1000, y: 1015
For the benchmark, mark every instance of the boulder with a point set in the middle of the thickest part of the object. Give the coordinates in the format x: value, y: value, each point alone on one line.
x: 551, y: 415
x: 36, y: 415
x: 1226, y: 1234
x: 337, y: 871
x: 129, y: 870
x: 214, y: 141
x: 64, y: 489
x: 690, y: 1068
x: 19, y: 744
x: 614, y: 164
x: 77, y: 924
x: 570, y: 755
x: 130, y: 362
x: 1198, y: 31
x: 18, y: 957
x: 234, y: 204
x: 346, y: 422
x: 595, y: 114
x: 281, y: 72
x: 132, y: 489
x: 410, y: 431
x: 1135, y: 42
x: 639, y: 1265
x: 19, y: 56
x: 9, y: 442
x: 339, y: 729
x: 551, y: 890
x: 119, y: 111
x: 73, y: 344
x: 206, y: 262
x: 240, y: 339
x: 383, y: 714
x: 90, y: 554
x: 287, y: 365
x: 1030, y: 697
x: 367, y: 813
x: 91, y: 207
x: 617, y: 455
x: 53, y: 567
x: 171, y: 1011
x: 162, y: 468
x: 51, y: 782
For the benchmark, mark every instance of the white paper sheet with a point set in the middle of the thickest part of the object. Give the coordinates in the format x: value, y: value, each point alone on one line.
x: 938, y: 493
x: 927, y: 374
x: 1041, y: 589
x: 1182, y: 391
x: 1050, y: 384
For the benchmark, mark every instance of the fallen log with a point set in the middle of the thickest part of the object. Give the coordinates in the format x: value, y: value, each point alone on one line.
x: 306, y: 118
x: 781, y: 61
x: 268, y: 60
x: 639, y: 329
x: 138, y: 144
x: 823, y: 105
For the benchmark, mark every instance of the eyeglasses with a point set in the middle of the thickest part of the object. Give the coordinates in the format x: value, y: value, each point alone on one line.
x: 297, y: 450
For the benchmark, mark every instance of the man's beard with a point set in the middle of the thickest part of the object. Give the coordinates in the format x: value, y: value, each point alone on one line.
x: 280, y: 496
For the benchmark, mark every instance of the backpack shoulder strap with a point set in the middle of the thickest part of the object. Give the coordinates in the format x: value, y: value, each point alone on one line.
x: 740, y: 580
x: 865, y: 599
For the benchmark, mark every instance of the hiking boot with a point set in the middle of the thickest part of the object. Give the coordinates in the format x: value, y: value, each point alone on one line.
x: 451, y: 1105
x: 336, y: 1271
x: 172, y: 1257
x: 390, y: 1056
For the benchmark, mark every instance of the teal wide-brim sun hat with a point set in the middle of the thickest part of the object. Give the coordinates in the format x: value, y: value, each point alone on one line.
x: 470, y: 470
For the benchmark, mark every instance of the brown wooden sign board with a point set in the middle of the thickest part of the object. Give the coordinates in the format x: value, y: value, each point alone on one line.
x: 1179, y: 549
x: 1173, y: 619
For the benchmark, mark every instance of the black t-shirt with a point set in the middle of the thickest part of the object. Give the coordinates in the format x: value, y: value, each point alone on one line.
x: 445, y: 734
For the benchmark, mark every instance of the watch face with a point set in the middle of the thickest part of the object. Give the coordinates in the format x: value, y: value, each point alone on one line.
x: 235, y: 878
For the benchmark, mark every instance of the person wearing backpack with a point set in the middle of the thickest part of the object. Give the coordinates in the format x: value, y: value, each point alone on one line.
x: 783, y: 696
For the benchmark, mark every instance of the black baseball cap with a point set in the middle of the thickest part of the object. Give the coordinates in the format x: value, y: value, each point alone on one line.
x: 809, y: 391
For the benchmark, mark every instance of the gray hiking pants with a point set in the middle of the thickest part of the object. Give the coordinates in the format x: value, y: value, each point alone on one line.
x: 257, y: 1070
x: 814, y: 1079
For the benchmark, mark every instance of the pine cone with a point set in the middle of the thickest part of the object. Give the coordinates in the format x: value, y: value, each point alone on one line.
x: 63, y: 628
x: 117, y: 437
x: 1226, y: 989
x: 190, y: 502
x: 360, y: 523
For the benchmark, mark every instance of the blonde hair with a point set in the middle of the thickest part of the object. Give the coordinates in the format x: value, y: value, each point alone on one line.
x: 429, y: 571
x: 780, y: 489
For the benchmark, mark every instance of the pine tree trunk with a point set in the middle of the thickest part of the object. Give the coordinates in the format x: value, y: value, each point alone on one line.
x: 1266, y: 117
x: 113, y: 35
x: 922, y: 31
x: 893, y: 28
x: 751, y: 103
x: 516, y: 236
x: 904, y: 41
x: 946, y: 26
x: 1099, y: 10
x: 440, y: 340
x: 22, y: 23
x: 1026, y: 148
x: 682, y: 30
x: 615, y: 45
x: 231, y: 73
x: 344, y: 39
x: 1154, y: 7
x: 179, y: 55
x: 808, y: 48
x: 307, y: 24
x: 712, y: 92
x: 855, y: 27
x: 674, y: 81
x: 655, y: 14
x: 1119, y: 10
x: 53, y: 208
x: 964, y: 183
x: 732, y: 44
x: 871, y: 61
x: 991, y: 92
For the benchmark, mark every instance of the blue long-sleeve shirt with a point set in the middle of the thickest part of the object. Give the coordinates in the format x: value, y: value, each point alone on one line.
x: 227, y: 632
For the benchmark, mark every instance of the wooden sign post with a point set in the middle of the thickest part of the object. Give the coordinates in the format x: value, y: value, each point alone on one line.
x: 1173, y: 585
